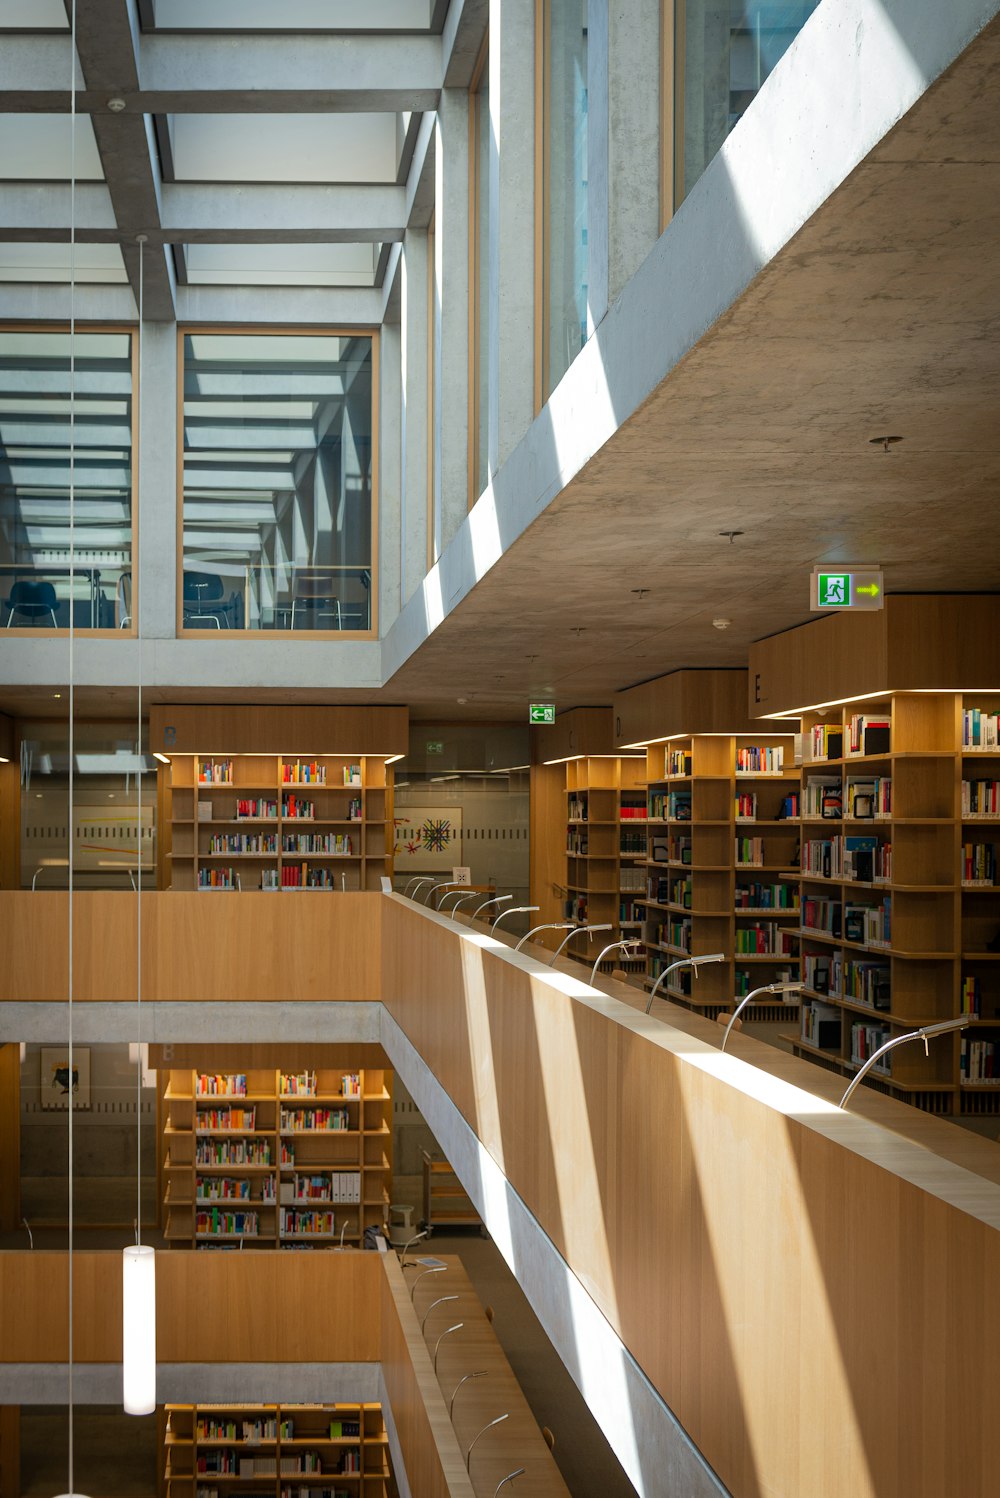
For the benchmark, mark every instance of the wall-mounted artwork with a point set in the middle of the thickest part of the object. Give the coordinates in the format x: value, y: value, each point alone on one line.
x: 57, y: 1084
x: 428, y: 838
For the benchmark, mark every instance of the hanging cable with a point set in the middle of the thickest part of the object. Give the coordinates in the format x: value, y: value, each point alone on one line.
x: 137, y: 622
x: 72, y: 678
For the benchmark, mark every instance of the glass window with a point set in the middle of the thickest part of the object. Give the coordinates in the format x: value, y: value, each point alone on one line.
x: 278, y: 486
x: 727, y: 48
x: 565, y: 145
x: 481, y: 286
x: 39, y: 589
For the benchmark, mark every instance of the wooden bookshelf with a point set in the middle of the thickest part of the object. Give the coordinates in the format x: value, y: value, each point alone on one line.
x: 721, y: 829
x: 284, y: 1450
x: 894, y: 935
x: 276, y: 1161
x: 603, y: 870
x: 261, y: 821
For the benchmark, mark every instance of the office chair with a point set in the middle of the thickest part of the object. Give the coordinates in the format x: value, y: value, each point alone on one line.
x: 33, y: 600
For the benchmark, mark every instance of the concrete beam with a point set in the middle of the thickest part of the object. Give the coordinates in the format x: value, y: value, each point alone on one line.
x: 211, y: 213
x: 464, y: 33
x: 301, y: 306
x: 420, y: 181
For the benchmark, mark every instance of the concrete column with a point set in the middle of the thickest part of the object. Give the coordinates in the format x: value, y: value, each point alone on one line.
x: 451, y: 316
x: 156, y: 491
x: 597, y: 161
x: 632, y: 128
x: 414, y: 410
x: 389, y: 479
x: 512, y: 226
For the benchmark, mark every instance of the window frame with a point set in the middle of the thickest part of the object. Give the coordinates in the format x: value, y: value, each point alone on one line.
x: 476, y: 250
x: 255, y: 330
x: 132, y: 329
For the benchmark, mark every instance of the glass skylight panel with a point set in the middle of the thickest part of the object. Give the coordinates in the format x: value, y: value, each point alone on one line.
x: 36, y: 148
x: 33, y: 15
x: 292, y: 15
x: 281, y: 264
x: 284, y: 147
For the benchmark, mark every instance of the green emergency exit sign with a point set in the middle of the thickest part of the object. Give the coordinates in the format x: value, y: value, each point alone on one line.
x: 854, y: 588
x: 542, y: 712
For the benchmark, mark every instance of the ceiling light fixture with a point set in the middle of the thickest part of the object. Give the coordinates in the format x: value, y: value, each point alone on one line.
x: 883, y: 442
x: 732, y: 535
x: 641, y: 592
x: 116, y: 105
x: 721, y: 623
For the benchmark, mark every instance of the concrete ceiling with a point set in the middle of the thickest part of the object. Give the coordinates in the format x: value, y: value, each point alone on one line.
x: 881, y: 317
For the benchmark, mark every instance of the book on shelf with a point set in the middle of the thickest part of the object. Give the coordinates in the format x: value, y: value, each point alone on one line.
x: 865, y: 1041
x: 981, y: 798
x: 760, y: 760
x: 758, y: 896
x: 215, y: 1084
x: 303, y: 772
x: 204, y: 810
x: 295, y: 808
x: 746, y: 807
x: 215, y: 772
x: 790, y: 808
x: 256, y: 809
x: 822, y: 797
x: 980, y: 730
x: 979, y: 1063
x: 749, y: 852
x: 820, y: 1025
x: 979, y: 863
x: 870, y: 798
x: 633, y: 812
x: 826, y: 741
x: 971, y: 996
x: 679, y: 762
x: 821, y: 915
x: 866, y: 983
x: 868, y: 735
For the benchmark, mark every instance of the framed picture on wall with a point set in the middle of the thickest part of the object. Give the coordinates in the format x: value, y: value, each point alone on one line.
x: 56, y: 1086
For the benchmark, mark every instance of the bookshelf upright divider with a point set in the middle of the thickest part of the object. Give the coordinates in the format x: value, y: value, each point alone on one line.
x: 602, y: 881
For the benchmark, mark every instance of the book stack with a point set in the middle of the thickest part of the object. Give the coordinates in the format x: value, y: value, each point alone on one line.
x: 980, y: 730
x: 214, y: 1120
x: 679, y: 806
x: 979, y: 1064
x: 746, y: 807
x: 972, y: 997
x: 232, y: 1152
x: 221, y: 1084
x: 827, y: 741
x: 301, y: 772
x: 630, y: 812
x: 679, y: 762
x: 766, y: 897
x: 294, y: 809
x: 868, y: 735
x: 821, y: 1026
x: 760, y: 760
x: 867, y: 983
x: 680, y: 893
x: 352, y: 774
x: 979, y: 864
x: 323, y: 1120
x: 221, y: 1189
x: 865, y: 1041
x: 822, y: 798
x: 256, y: 809
x: 764, y: 940
x: 215, y: 772
x: 981, y: 798
x: 821, y: 915
x: 298, y: 1084
x: 219, y: 1223
x: 216, y: 878
x: 296, y: 1222
x: 350, y: 1084
x: 749, y: 852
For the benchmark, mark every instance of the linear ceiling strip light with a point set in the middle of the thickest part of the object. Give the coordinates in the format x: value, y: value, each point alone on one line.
x: 138, y: 1260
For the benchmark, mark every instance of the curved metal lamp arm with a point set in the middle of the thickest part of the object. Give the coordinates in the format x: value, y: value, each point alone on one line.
x: 450, y: 894
x: 436, y: 885
x: 493, y: 900
x: 439, y: 1302
x: 548, y: 926
x: 456, y: 1328
x: 605, y: 926
x: 434, y: 1269
x: 406, y: 1248
x: 462, y: 899
x: 498, y: 1421
x: 513, y: 910
x: 614, y: 946
x: 692, y: 962
x: 509, y: 1478
x: 479, y: 1373
x: 767, y: 988
x: 923, y: 1034
x: 416, y: 879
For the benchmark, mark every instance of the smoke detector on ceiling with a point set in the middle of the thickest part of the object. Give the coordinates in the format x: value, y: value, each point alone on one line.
x: 721, y: 623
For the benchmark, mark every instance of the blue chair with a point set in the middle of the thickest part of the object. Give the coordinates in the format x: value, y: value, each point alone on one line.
x: 204, y: 599
x: 32, y: 600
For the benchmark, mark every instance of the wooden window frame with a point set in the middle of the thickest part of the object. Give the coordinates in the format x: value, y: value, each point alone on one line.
x: 476, y: 248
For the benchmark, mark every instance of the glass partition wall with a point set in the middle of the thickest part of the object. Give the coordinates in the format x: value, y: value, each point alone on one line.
x: 279, y: 482
x: 39, y: 587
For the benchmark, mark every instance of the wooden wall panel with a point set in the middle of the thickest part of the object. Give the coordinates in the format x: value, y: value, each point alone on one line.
x: 762, y: 1256
x: 10, y: 1451
x: 583, y: 730
x: 431, y: 1454
x: 10, y: 826
x: 221, y: 729
x: 295, y: 1057
x: 242, y: 948
x: 690, y: 701
x: 252, y: 1307
x: 918, y: 642
x: 10, y: 1138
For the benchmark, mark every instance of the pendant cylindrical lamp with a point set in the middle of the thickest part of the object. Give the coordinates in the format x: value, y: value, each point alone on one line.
x: 139, y: 1329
